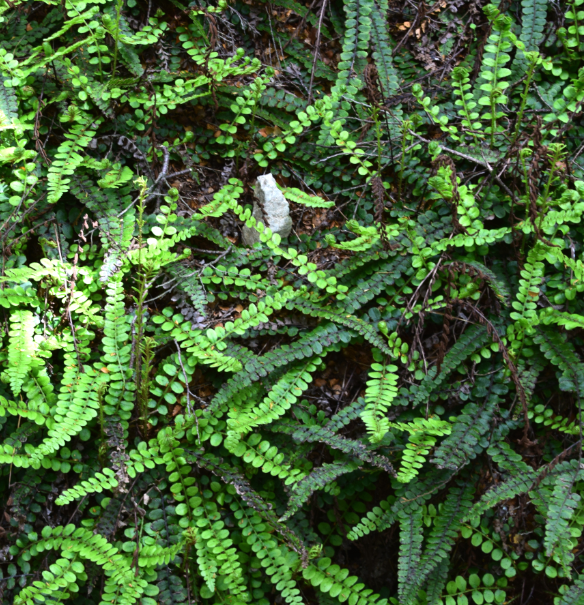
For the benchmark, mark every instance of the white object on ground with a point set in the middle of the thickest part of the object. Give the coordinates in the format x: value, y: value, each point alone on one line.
x: 269, y: 207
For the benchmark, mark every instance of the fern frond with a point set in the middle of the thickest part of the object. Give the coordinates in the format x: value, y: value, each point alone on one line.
x: 208, y: 348
x: 508, y: 459
x: 533, y: 20
x: 279, y: 561
x: 570, y: 321
x: 223, y: 200
x: 63, y: 574
x: 8, y: 102
x: 528, y: 294
x: 561, y: 353
x: 96, y: 484
x: 282, y: 395
x: 414, y: 456
x: 316, y: 434
x: 408, y: 495
x: 346, y: 415
x: 16, y: 296
x: 316, y: 480
x: 215, y: 554
x: 411, y: 536
x: 312, y: 343
x: 352, y: 322
x: 422, y: 439
x: 261, y: 454
x: 495, y: 282
x: 119, y: 232
x: 154, y: 555
x: 493, y: 70
x: 575, y: 593
x: 77, y: 404
x: 333, y: 579
x: 90, y: 546
x: 522, y: 477
x: 441, y: 538
x: 357, y: 263
x: 436, y: 581
x: 300, y: 197
x: 383, y: 52
x: 379, y: 395
x: 68, y: 158
x: 22, y: 348
x: 114, y: 364
x: 356, y: 40
x: 383, y: 275
x: 231, y: 476
x: 560, y: 511
x: 26, y: 410
x: 465, y: 440
x: 473, y: 338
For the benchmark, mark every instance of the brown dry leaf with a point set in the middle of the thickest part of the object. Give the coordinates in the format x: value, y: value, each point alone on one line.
x: 177, y: 409
x: 320, y: 382
x: 269, y: 130
x: 239, y: 308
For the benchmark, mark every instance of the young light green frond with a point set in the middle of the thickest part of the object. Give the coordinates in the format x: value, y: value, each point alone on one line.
x: 298, y: 196
x: 22, y: 348
x: 69, y: 158
x: 381, y: 391
x: 528, y: 294
x: 96, y: 484
x: 332, y: 579
x: 409, y: 496
x: 282, y: 395
x: 63, y: 575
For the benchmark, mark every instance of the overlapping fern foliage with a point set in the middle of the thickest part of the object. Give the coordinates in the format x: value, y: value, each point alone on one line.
x: 386, y: 406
